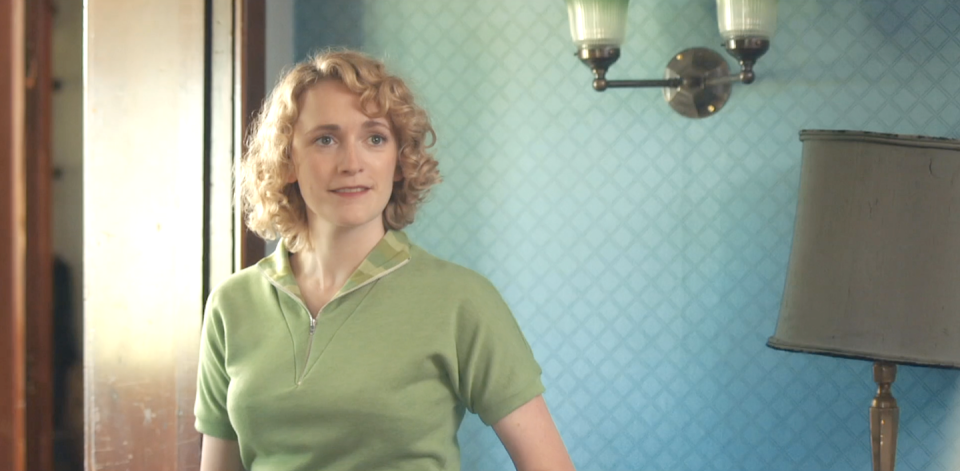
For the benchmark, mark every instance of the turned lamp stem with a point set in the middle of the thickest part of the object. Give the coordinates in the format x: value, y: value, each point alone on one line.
x: 884, y: 418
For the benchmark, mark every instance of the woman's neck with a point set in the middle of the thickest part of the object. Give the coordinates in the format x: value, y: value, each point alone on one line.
x: 333, y: 255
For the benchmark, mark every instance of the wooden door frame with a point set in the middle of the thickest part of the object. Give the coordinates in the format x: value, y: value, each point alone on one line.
x: 26, y: 246
x: 26, y: 350
x: 26, y: 255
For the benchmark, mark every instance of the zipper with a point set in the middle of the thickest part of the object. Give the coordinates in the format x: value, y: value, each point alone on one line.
x: 313, y: 323
x: 313, y: 318
x: 313, y: 329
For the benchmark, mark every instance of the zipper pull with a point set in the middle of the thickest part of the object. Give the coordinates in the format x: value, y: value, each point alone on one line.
x: 313, y: 324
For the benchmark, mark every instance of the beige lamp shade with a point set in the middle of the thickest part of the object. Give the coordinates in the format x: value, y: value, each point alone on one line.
x: 875, y: 266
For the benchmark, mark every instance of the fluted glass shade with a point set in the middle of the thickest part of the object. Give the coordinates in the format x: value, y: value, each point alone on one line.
x: 875, y: 267
x: 597, y: 23
x: 739, y: 19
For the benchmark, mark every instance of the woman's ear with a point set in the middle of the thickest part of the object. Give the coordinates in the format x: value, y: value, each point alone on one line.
x: 291, y: 163
x: 292, y: 172
x: 398, y: 171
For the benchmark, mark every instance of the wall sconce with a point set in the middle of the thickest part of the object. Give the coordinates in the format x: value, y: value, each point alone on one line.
x: 698, y: 81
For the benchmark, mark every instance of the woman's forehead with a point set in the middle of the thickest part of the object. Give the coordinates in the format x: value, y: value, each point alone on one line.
x: 331, y: 102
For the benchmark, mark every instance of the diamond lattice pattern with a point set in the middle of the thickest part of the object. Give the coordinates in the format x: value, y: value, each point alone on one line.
x: 644, y: 253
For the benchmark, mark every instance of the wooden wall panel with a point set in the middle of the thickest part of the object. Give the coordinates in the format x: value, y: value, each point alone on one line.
x: 39, y: 255
x: 12, y: 237
x: 144, y: 230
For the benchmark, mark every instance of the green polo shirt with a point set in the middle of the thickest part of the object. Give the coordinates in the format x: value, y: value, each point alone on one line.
x: 408, y: 344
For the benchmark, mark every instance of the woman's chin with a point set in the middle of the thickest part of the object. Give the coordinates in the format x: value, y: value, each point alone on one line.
x: 355, y: 223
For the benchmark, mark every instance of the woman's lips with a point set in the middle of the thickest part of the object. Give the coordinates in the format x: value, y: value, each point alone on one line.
x: 351, y: 191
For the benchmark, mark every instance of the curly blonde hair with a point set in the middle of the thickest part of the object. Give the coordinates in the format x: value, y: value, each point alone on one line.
x: 272, y: 206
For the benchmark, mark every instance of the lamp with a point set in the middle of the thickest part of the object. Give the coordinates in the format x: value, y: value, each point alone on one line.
x: 697, y: 82
x: 874, y: 270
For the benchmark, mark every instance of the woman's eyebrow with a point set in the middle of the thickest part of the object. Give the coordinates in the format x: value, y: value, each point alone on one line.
x: 374, y: 124
x: 324, y: 127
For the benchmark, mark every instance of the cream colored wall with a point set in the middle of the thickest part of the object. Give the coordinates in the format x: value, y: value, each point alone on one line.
x: 143, y: 231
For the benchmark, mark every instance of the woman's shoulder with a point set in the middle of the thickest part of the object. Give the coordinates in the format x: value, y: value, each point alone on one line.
x: 241, y: 286
x: 448, y: 275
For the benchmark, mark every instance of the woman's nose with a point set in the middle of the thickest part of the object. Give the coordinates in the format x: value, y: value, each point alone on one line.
x: 349, y: 159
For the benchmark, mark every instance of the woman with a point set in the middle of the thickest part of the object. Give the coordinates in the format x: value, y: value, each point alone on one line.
x: 350, y: 347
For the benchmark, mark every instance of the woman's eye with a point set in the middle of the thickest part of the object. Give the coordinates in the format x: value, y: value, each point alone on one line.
x: 378, y: 140
x: 325, y: 140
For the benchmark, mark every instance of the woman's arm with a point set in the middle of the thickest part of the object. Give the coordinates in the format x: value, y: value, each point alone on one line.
x: 532, y: 439
x: 217, y: 454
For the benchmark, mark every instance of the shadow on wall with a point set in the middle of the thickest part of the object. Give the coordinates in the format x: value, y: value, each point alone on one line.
x: 327, y: 23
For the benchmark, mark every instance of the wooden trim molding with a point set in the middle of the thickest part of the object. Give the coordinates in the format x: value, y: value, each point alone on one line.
x: 12, y: 237
x: 221, y: 247
x: 251, y: 89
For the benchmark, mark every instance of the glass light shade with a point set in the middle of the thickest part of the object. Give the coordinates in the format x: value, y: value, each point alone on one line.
x: 596, y: 23
x: 740, y: 19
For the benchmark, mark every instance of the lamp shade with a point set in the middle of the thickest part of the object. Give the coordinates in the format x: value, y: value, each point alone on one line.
x: 875, y: 266
x: 740, y: 19
x: 597, y: 23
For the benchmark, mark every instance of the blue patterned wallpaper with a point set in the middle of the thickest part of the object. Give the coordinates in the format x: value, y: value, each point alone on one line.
x: 644, y: 253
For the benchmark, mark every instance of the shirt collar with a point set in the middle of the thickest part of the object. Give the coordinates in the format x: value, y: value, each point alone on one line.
x: 390, y: 253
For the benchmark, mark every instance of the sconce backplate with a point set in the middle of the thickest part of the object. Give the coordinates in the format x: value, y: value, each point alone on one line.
x: 694, y: 98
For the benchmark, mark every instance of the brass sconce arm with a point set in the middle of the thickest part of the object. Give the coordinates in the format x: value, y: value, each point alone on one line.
x: 745, y: 77
x: 600, y: 59
x: 601, y: 84
x: 697, y: 81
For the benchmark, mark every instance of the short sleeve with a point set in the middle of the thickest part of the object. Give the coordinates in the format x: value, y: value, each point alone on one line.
x: 497, y: 369
x: 210, y: 407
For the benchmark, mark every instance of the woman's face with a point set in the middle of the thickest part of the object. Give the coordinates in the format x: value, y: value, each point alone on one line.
x: 345, y: 161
